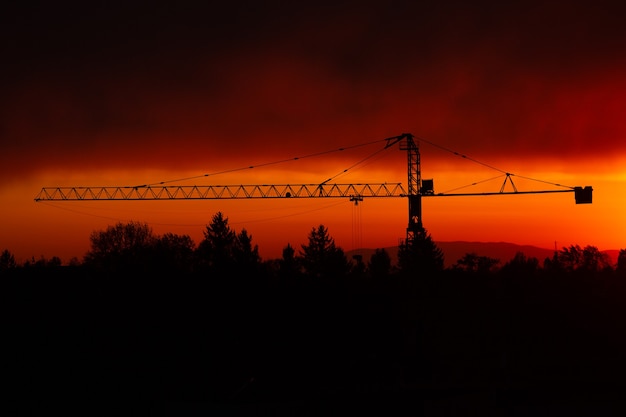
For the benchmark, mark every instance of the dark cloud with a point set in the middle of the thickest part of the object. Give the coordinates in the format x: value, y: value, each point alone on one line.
x: 114, y: 80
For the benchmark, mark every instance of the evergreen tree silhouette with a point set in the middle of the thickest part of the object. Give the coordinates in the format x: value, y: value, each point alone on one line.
x: 380, y: 263
x: 421, y: 255
x: 215, y: 251
x: 289, y: 264
x: 245, y: 254
x: 321, y: 257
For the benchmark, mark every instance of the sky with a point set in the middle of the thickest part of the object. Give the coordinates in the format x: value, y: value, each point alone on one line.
x: 108, y: 93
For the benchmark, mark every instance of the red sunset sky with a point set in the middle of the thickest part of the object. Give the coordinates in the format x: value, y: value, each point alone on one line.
x: 128, y: 93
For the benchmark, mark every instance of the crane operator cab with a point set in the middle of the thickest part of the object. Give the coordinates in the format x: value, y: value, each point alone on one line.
x: 428, y: 187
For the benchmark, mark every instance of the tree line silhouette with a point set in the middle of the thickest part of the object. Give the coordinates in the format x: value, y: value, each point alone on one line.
x: 133, y: 247
x: 156, y: 317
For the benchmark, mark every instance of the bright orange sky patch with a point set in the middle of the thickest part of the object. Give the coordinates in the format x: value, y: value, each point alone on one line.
x: 63, y: 228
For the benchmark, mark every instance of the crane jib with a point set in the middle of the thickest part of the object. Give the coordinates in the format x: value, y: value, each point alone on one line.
x: 583, y: 195
x: 206, y: 192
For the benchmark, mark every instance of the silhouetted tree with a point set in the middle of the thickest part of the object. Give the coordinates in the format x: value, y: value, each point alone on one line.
x: 321, y: 258
x: 7, y: 261
x: 31, y: 262
x: 173, y: 252
x: 215, y: 251
x: 553, y: 264
x: 42, y: 262
x: 380, y: 263
x: 594, y: 261
x: 421, y: 255
x: 359, y: 267
x: 246, y: 255
x: 289, y: 264
x: 570, y: 258
x: 121, y: 247
x: 54, y: 261
x: 473, y: 263
x: 589, y: 259
x: 521, y: 265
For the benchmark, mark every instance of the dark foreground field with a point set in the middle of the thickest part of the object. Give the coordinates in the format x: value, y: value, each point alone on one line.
x: 428, y: 346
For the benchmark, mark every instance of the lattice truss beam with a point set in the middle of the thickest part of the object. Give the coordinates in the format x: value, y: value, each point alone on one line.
x: 209, y: 192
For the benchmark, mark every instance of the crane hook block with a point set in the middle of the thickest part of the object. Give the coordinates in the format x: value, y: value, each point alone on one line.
x: 583, y: 195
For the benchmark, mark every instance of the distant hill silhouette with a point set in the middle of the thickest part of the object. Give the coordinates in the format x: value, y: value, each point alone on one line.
x: 453, y: 251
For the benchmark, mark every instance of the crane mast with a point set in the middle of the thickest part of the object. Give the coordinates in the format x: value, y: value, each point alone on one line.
x: 416, y: 189
x: 414, y: 182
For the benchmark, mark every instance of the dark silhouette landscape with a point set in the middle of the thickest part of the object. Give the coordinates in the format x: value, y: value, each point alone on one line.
x: 185, y: 329
x: 503, y: 251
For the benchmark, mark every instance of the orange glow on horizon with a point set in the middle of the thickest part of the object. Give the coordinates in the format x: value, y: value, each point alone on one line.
x: 63, y: 228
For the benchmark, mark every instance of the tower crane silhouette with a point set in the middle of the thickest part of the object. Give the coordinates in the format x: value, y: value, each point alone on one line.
x: 417, y: 188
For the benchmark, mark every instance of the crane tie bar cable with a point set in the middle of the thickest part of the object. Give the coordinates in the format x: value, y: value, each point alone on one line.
x: 296, y: 158
x: 508, y: 174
